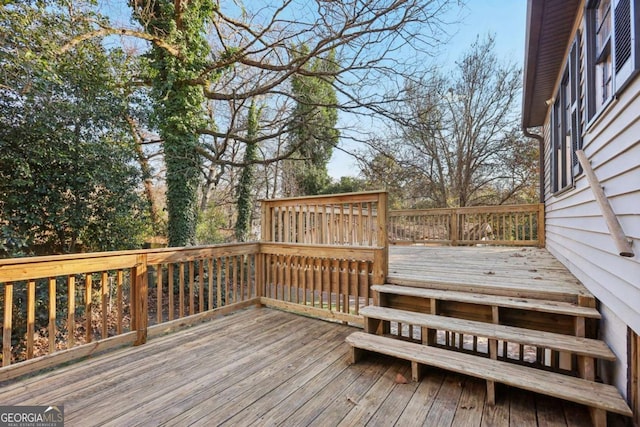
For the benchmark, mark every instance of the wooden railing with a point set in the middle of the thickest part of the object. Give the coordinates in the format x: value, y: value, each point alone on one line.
x: 488, y: 225
x: 319, y: 255
x: 322, y: 253
x: 59, y: 308
x: 351, y: 219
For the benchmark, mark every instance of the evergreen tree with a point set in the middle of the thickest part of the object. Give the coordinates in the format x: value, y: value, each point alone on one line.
x: 247, y: 178
x: 313, y: 130
x: 178, y: 106
x: 67, y: 180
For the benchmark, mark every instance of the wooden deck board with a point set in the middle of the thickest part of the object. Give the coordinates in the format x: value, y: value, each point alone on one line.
x: 416, y: 411
x: 508, y: 271
x: 471, y: 404
x: 265, y: 367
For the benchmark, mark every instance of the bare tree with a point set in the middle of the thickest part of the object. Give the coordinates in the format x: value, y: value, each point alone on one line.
x: 457, y: 134
x: 230, y: 52
x: 377, y: 44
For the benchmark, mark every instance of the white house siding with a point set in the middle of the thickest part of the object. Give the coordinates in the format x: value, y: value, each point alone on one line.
x: 614, y: 329
x: 576, y: 231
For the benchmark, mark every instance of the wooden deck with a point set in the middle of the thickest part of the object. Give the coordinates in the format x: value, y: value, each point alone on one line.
x: 265, y: 367
x: 508, y: 271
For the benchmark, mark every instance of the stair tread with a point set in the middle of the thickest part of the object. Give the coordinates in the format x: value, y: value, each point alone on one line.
x: 577, y: 390
x: 577, y: 345
x: 547, y: 306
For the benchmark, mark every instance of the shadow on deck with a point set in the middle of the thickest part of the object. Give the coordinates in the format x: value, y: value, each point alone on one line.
x: 261, y: 366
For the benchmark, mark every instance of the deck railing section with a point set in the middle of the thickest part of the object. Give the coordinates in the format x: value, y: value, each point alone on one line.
x: 321, y: 254
x: 54, y: 305
x: 513, y: 225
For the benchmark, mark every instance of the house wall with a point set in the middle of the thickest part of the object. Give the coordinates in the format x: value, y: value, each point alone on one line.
x: 577, y: 233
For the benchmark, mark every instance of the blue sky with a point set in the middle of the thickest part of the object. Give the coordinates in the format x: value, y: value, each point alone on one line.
x: 505, y: 19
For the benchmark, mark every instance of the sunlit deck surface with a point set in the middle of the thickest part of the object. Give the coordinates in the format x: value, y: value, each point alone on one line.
x: 262, y: 366
x: 509, y: 271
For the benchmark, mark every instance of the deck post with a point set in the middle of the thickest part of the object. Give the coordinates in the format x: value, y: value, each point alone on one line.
x: 586, y: 365
x: 265, y: 226
x: 453, y: 230
x: 541, y: 226
x: 493, y: 354
x: 139, y: 303
x: 381, y: 262
x: 598, y: 417
x: 259, y: 273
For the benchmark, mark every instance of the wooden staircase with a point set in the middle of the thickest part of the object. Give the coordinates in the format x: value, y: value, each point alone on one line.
x: 542, y: 345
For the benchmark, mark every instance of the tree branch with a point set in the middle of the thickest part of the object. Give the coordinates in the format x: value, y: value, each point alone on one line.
x: 107, y: 31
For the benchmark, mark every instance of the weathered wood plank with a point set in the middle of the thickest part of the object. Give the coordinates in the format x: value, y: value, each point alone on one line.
x: 345, y: 398
x: 560, y: 342
x: 577, y: 390
x: 498, y: 415
x: 443, y: 409
x: 288, y: 369
x: 471, y: 404
x: 508, y: 271
x: 523, y: 408
x: 394, y: 404
x: 575, y: 415
x: 547, y: 412
x: 285, y: 401
x: 198, y: 398
x: 366, y: 407
x: 557, y: 307
x: 416, y: 411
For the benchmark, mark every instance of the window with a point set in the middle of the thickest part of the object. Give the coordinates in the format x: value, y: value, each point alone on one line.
x: 612, y: 46
x: 566, y: 129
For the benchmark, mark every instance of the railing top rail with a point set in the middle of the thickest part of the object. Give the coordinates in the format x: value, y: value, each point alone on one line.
x: 469, y: 209
x: 362, y: 253
x: 365, y: 196
x: 111, y: 254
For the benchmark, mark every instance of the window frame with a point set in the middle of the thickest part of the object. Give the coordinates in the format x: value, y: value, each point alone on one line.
x: 566, y: 124
x: 623, y: 39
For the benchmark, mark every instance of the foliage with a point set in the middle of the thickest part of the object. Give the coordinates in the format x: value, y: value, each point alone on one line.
x: 385, y: 172
x: 247, y: 178
x: 66, y: 174
x: 346, y: 184
x: 313, y: 132
x: 211, y: 225
x: 178, y: 108
x: 232, y: 52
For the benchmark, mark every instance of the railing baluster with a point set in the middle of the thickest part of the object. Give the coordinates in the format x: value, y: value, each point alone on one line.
x: 31, y: 316
x: 219, y: 282
x: 158, y: 293
x: 88, y: 306
x: 181, y: 298
x: 304, y: 268
x: 200, y: 286
x: 171, y: 291
x: 52, y: 314
x: 71, y: 311
x: 234, y: 275
x: 210, y: 274
x: 104, y: 293
x: 192, y: 304
x: 119, y: 300
x: 7, y: 324
x: 227, y: 280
